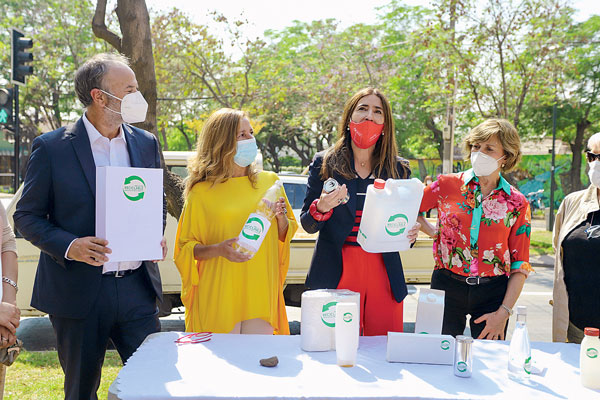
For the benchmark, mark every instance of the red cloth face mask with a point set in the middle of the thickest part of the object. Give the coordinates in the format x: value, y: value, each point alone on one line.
x: 365, y: 134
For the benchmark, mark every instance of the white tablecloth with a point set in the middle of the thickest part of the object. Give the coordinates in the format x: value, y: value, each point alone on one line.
x: 228, y: 367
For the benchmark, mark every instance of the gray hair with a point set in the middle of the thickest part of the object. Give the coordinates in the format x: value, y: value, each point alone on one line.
x: 90, y: 75
x: 593, y: 140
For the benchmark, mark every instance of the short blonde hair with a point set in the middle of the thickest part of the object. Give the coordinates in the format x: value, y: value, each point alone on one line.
x: 594, y: 140
x: 215, y: 150
x: 507, y: 135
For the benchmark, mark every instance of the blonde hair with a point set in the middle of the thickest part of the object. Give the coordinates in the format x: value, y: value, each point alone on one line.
x: 505, y: 132
x: 215, y: 150
x: 385, y: 155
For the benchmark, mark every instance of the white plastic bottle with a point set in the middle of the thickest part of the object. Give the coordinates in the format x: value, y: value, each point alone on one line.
x: 258, y: 223
x: 391, y: 209
x: 519, y: 353
x: 346, y: 333
x: 589, y: 359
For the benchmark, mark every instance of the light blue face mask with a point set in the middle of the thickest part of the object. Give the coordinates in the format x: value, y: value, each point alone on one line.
x: 246, y: 152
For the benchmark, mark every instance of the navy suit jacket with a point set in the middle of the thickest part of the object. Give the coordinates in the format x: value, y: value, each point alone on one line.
x: 58, y: 205
x: 326, y: 265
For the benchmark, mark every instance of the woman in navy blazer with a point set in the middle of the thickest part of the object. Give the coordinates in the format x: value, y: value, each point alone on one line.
x: 366, y: 149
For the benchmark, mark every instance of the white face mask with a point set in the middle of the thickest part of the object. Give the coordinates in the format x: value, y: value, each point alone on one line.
x: 594, y: 173
x: 133, y: 107
x: 484, y: 165
x: 246, y: 152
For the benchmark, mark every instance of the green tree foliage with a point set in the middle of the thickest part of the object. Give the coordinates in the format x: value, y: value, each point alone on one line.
x: 62, y: 41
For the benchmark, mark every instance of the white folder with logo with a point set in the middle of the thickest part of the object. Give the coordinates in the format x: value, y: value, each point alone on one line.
x: 129, y: 212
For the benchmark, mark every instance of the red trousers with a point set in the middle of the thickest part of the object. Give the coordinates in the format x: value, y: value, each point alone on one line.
x: 365, y: 273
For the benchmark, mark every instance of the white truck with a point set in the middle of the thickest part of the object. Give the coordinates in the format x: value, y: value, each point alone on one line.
x: 418, y: 261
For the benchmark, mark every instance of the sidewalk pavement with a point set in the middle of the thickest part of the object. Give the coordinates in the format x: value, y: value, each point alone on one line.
x: 543, y: 260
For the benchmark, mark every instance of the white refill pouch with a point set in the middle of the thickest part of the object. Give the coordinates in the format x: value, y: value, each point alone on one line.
x: 430, y: 311
x: 420, y: 349
x: 346, y: 333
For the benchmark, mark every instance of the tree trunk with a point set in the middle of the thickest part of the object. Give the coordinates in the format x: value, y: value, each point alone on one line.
x: 437, y: 135
x: 136, y: 44
x: 571, y: 180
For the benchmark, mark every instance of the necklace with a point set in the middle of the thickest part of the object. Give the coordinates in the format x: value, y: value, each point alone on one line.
x: 592, y: 228
x: 362, y: 164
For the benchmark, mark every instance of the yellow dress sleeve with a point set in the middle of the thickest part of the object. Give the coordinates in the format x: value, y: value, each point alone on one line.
x: 188, y: 235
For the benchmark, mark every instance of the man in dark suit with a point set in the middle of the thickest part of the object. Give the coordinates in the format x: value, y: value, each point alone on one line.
x: 88, y: 299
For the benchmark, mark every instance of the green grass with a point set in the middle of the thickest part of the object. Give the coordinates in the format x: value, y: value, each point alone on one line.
x: 38, y: 376
x: 541, y: 242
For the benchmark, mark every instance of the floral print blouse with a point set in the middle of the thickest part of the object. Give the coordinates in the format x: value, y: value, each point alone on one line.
x: 479, y: 237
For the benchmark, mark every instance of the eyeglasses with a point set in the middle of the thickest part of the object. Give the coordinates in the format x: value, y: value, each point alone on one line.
x: 591, y: 157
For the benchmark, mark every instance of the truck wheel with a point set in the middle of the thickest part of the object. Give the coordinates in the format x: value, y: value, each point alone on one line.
x: 293, y: 294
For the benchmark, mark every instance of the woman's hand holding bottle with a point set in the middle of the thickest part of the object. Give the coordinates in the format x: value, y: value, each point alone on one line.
x: 330, y: 200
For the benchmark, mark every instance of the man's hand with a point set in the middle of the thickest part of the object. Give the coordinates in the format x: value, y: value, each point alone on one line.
x: 90, y: 250
x: 6, y: 337
x: 163, y: 244
x: 9, y: 317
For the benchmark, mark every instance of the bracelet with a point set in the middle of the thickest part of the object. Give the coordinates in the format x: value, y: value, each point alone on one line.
x: 508, y: 310
x: 10, y: 282
x: 319, y: 216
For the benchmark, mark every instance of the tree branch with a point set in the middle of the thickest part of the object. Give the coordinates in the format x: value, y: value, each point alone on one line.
x: 99, y: 27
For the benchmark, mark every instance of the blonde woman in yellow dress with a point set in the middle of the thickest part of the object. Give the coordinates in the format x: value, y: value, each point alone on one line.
x: 223, y: 290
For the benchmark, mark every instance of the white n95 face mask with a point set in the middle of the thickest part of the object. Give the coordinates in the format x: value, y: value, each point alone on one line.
x: 133, y: 107
x: 483, y: 165
x: 594, y: 173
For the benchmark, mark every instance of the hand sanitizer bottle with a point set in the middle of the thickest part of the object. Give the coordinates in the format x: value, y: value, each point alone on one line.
x: 519, y: 353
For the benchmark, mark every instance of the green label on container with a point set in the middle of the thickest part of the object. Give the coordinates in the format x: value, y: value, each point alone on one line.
x: 461, y: 366
x: 527, y: 365
x: 347, y: 317
x: 396, y: 224
x: 445, y: 345
x: 253, y: 228
x: 328, y: 314
x: 591, y: 353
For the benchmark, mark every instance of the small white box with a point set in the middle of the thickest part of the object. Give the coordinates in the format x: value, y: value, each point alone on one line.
x: 420, y: 349
x: 129, y: 212
x: 430, y: 311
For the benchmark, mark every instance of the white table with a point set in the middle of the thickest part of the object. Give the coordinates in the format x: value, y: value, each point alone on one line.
x: 228, y: 367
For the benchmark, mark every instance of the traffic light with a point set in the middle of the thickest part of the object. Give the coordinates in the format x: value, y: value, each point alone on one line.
x: 20, y: 57
x: 6, y: 107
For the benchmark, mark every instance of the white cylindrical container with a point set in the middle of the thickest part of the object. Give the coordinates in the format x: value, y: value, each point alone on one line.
x: 346, y: 333
x: 589, y: 359
x: 463, y: 356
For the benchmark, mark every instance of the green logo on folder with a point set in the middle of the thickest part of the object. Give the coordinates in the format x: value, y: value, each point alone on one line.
x: 134, y: 188
x: 445, y: 345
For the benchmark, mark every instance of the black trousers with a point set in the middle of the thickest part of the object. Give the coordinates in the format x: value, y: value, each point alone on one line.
x: 462, y: 299
x: 125, y: 311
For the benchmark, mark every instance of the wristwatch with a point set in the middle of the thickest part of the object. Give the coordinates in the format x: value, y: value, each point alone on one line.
x: 508, y: 309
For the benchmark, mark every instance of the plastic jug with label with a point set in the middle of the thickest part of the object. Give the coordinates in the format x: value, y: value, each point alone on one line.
x: 589, y: 361
x: 391, y: 209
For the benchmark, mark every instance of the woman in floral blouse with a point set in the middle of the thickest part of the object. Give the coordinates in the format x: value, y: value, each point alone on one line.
x: 481, y: 246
